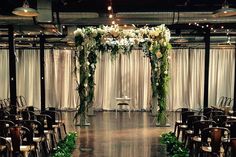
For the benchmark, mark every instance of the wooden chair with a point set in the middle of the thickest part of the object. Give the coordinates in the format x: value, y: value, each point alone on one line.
x: 198, y: 126
x: 179, y: 120
x: 214, y: 146
x: 22, y: 141
x: 5, y: 147
x: 183, y: 127
x: 49, y: 131
x: 190, y: 129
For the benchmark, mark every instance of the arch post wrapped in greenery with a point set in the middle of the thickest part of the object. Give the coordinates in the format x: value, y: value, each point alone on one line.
x: 154, y: 42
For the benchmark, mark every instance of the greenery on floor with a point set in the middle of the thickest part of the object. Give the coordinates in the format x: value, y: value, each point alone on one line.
x: 174, y: 147
x: 66, y: 146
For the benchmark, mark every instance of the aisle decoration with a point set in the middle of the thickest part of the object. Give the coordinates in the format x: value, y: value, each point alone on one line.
x: 154, y: 41
x: 66, y: 146
x: 173, y: 146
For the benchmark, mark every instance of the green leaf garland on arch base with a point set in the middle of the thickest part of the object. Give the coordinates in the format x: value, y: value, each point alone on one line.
x: 154, y: 41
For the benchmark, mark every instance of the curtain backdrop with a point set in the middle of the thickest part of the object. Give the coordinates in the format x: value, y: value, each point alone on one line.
x: 186, y: 87
x: 59, y: 79
x: 222, y: 73
x: 28, y: 75
x: 4, y: 74
x: 127, y: 75
x: 123, y: 76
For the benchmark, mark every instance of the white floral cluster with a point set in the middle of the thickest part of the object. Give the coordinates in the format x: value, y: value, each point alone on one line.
x: 114, y: 35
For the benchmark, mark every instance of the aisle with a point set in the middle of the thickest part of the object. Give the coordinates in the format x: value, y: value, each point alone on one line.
x: 121, y: 137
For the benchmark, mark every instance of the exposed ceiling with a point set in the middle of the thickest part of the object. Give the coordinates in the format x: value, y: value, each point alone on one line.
x: 68, y: 14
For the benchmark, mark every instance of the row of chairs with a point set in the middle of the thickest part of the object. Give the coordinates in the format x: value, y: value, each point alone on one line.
x: 30, y: 132
x: 207, y: 132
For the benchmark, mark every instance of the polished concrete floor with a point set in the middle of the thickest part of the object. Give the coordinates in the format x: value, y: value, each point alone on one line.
x: 108, y: 136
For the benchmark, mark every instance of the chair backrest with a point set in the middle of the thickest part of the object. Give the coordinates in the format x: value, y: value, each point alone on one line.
x: 194, y: 118
x: 180, y: 110
x: 198, y: 126
x: 185, y: 116
x: 232, y: 127
x: 207, y: 112
x: 34, y: 126
x: 220, y: 120
x: 44, y: 117
x: 5, y: 125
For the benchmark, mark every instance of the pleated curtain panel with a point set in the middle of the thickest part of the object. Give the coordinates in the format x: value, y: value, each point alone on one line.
x: 122, y: 76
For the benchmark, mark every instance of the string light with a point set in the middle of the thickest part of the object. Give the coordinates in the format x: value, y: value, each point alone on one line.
x: 208, y: 26
x: 113, y: 22
x: 109, y: 8
x: 110, y: 16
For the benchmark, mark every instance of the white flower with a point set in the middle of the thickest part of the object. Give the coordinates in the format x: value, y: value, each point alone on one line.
x: 88, y: 63
x: 155, y: 69
x: 169, y: 57
x: 85, y: 85
x: 166, y: 72
x: 157, y: 84
x: 89, y: 75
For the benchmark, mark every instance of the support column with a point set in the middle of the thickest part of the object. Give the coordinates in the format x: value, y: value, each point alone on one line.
x: 207, y: 60
x: 42, y: 63
x: 12, y: 69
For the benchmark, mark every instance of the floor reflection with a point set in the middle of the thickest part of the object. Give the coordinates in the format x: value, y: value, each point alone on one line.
x: 109, y: 136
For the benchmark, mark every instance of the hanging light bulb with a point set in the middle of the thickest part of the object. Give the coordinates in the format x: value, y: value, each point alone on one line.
x: 25, y: 10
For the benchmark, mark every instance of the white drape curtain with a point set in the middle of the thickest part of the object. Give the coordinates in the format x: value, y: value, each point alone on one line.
x: 59, y: 79
x: 222, y: 74
x: 28, y: 75
x: 126, y: 75
x: 123, y: 76
x: 186, y: 87
x: 4, y: 74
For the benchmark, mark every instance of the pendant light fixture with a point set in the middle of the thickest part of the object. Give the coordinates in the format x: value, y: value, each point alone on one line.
x: 25, y: 10
x: 225, y: 11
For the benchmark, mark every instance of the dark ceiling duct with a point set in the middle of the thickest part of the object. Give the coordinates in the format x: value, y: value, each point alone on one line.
x: 44, y: 8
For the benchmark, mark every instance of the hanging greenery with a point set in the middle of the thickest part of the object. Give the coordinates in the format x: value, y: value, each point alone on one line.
x: 154, y: 42
x: 174, y: 147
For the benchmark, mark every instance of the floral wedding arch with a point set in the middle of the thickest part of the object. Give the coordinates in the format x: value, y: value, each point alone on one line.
x: 154, y: 42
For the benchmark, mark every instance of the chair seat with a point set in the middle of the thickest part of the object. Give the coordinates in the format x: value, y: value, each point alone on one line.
x: 56, y: 126
x: 27, y: 148
x: 209, y: 149
x: 48, y: 131
x: 197, y: 139
x: 190, y: 132
x: 178, y: 122
x: 183, y: 126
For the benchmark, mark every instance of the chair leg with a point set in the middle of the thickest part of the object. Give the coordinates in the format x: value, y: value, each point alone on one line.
x: 129, y: 112
x: 178, y: 132
x: 175, y: 128
x: 64, y: 126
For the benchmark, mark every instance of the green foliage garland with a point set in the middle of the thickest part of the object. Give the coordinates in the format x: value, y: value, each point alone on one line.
x: 66, y: 146
x: 154, y: 41
x: 174, y: 147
